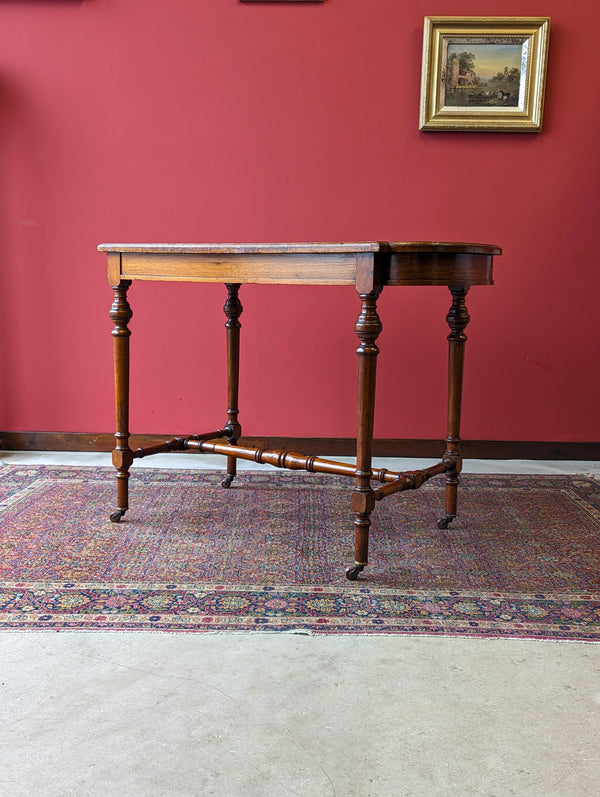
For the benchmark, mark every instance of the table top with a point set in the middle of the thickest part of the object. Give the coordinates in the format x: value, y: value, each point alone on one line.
x: 302, y: 248
x: 368, y: 265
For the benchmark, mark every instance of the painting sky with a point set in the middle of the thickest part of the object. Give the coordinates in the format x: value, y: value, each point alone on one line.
x: 490, y: 58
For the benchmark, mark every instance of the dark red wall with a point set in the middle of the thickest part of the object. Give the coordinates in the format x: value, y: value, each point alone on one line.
x: 214, y: 120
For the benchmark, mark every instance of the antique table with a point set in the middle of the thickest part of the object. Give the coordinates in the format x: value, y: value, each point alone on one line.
x: 369, y: 267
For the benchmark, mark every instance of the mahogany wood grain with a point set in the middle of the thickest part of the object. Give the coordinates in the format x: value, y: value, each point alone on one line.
x: 335, y: 269
x: 457, y: 319
x: 121, y: 314
x: 368, y: 327
x: 233, y: 309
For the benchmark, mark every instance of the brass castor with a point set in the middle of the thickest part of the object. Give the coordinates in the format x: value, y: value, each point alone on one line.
x: 352, y: 572
x: 444, y: 522
x: 227, y: 481
x: 116, y: 516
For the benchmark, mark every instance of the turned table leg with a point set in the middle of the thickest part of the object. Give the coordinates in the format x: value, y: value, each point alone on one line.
x: 122, y: 456
x: 233, y: 309
x: 457, y: 318
x: 368, y: 328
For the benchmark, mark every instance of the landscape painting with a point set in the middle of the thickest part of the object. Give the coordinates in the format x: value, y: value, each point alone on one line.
x: 484, y: 74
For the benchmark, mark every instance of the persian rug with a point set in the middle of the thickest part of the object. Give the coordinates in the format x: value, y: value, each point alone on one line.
x: 521, y: 560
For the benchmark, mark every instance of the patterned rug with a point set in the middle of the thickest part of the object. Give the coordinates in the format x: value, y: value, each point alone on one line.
x: 521, y: 560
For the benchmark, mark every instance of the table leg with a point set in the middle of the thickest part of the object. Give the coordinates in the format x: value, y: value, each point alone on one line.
x: 368, y: 328
x: 122, y: 456
x: 457, y: 319
x: 233, y: 309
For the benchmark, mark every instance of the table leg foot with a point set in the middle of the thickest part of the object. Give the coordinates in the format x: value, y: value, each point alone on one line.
x: 231, y: 470
x: 444, y: 522
x: 352, y: 572
x: 116, y: 516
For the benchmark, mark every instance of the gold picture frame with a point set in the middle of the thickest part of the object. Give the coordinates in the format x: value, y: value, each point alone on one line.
x: 459, y: 89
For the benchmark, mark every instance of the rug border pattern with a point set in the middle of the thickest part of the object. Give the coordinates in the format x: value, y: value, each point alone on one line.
x: 195, y: 608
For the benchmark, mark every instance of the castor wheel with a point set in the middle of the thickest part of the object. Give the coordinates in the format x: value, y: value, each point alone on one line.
x: 444, y: 522
x: 227, y: 481
x: 352, y: 572
x: 116, y: 516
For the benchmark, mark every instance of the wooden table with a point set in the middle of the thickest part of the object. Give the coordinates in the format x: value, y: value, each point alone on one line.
x: 369, y: 267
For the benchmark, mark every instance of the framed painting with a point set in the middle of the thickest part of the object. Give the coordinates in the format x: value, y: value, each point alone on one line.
x: 483, y: 73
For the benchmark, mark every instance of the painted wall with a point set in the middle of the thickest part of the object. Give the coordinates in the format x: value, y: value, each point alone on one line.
x: 214, y: 120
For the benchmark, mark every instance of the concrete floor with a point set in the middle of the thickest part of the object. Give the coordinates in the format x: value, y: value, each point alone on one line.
x: 271, y: 715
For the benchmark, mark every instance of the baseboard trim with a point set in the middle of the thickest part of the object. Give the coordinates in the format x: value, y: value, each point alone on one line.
x: 324, y: 446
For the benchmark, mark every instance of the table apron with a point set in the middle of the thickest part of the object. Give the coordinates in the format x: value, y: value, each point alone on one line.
x: 422, y: 268
x: 303, y: 269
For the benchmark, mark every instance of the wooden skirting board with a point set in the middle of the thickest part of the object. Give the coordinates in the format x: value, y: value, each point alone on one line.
x: 342, y: 446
